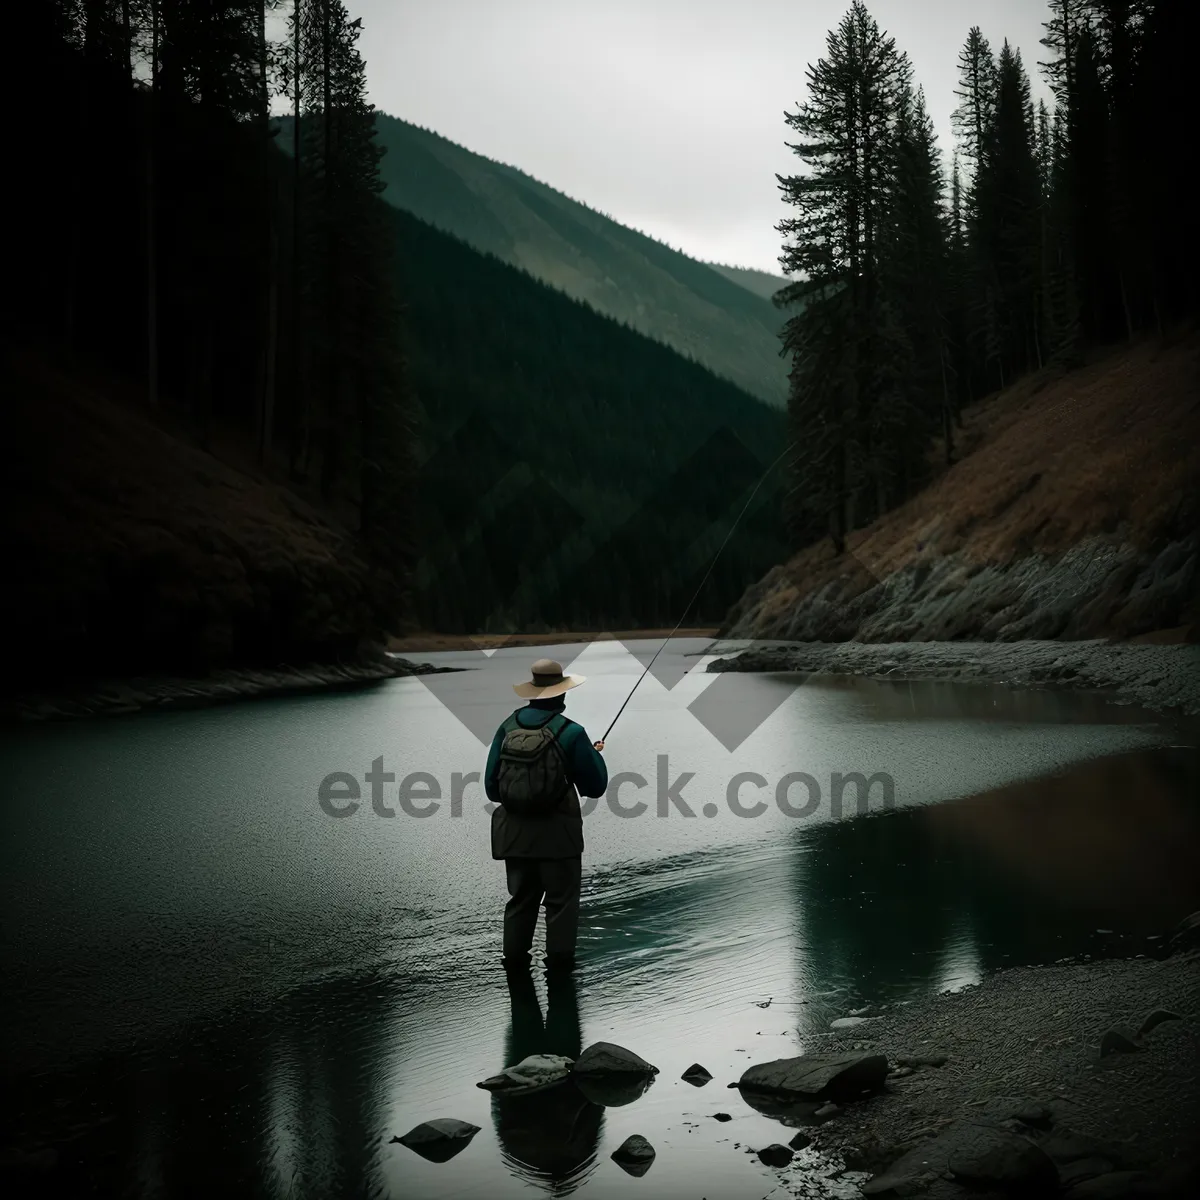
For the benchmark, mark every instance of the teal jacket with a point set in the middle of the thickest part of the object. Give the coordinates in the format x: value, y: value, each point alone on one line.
x: 559, y: 835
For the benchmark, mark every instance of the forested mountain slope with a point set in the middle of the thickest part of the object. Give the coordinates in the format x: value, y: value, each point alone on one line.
x: 574, y: 473
x: 696, y: 309
x: 1073, y: 514
x: 571, y: 472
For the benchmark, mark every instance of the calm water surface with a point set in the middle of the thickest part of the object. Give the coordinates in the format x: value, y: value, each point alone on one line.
x: 212, y: 984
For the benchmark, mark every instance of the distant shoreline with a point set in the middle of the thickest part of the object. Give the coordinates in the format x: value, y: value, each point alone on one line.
x: 1163, y: 677
x: 426, y: 643
x: 159, y: 693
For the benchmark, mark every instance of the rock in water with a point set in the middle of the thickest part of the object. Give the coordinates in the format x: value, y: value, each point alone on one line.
x: 536, y: 1071
x: 1119, y: 1040
x: 801, y: 1141
x: 1156, y: 1018
x: 612, y: 1091
x: 839, y: 1077
x: 440, y: 1139
x: 775, y: 1155
x: 634, y: 1155
x: 848, y: 1022
x: 604, y: 1058
x: 696, y: 1075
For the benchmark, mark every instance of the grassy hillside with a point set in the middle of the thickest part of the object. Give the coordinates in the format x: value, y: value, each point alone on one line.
x: 701, y: 312
x: 574, y: 474
x: 1073, y: 512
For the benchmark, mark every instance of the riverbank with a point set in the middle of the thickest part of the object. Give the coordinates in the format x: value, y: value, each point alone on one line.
x: 1020, y: 1053
x: 1070, y: 512
x: 160, y: 693
x: 1164, y: 678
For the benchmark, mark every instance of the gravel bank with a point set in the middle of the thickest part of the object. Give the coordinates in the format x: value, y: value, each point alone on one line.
x: 1162, y: 678
x: 160, y: 693
x: 1032, y: 1035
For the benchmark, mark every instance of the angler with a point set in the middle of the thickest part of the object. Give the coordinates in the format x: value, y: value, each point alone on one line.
x: 539, y: 764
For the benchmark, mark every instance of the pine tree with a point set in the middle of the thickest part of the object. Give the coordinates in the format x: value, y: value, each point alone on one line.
x: 1045, y: 325
x: 1008, y: 191
x: 1166, y: 103
x: 1067, y: 17
x: 956, y: 293
x: 1062, y: 299
x: 267, y: 62
x: 1119, y: 30
x: 1088, y: 192
x: 974, y: 122
x: 846, y: 126
x: 974, y: 118
x: 915, y: 269
x: 345, y: 307
x: 295, y: 81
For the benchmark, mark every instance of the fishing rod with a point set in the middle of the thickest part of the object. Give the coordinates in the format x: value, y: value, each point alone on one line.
x: 696, y: 594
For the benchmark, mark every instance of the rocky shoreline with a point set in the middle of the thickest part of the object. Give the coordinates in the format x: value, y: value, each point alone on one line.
x: 161, y: 693
x: 1079, y: 1080
x: 1031, y: 1064
x: 1162, y: 678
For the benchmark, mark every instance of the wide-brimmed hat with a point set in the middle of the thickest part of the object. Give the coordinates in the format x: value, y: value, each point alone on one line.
x: 547, y: 680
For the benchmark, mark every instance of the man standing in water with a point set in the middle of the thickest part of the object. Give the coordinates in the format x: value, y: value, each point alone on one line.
x: 539, y: 764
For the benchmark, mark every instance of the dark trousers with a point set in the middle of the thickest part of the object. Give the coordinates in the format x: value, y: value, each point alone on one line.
x: 530, y: 882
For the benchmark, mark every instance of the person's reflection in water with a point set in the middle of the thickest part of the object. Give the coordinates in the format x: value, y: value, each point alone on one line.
x: 548, y: 1137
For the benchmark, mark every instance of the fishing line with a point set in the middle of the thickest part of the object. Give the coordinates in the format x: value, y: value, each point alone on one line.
x: 696, y: 594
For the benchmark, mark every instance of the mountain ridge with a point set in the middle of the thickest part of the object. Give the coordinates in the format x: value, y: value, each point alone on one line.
x: 761, y: 283
x: 702, y: 311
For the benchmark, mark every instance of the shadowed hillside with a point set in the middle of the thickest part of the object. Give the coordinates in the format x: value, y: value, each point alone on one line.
x: 140, y: 552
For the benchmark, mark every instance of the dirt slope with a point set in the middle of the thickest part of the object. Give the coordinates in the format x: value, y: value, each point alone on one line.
x: 1072, y: 513
x: 130, y: 549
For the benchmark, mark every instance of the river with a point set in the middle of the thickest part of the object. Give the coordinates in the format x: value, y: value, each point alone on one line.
x: 213, y: 984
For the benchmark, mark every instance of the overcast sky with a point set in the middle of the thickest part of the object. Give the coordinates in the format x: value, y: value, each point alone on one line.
x: 665, y: 114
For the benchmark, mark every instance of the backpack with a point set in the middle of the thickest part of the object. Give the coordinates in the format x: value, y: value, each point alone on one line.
x: 532, y: 778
